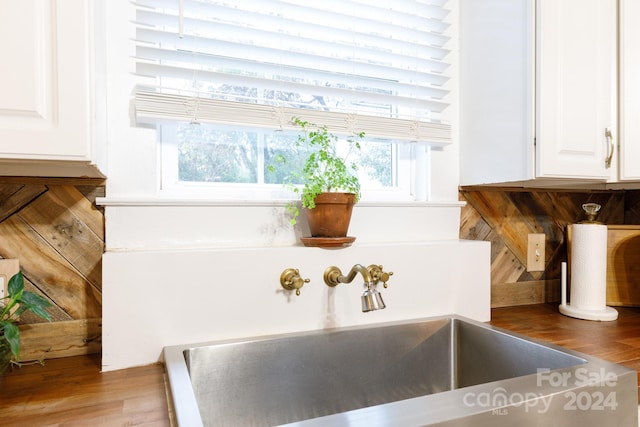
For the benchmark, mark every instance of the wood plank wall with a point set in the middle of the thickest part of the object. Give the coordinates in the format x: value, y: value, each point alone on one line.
x: 55, y: 230
x: 506, y: 217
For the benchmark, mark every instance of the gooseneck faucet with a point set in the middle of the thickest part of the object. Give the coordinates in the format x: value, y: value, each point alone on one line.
x: 371, y: 298
x: 333, y: 276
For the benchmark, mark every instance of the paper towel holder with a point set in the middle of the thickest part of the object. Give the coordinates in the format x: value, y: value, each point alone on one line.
x: 591, y: 209
x: 596, y: 309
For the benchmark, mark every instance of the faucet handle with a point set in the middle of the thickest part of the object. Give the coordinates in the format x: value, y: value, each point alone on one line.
x: 378, y: 275
x: 290, y: 280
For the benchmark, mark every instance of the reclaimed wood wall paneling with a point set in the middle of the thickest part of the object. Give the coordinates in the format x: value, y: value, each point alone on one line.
x: 57, y: 233
x: 505, y: 217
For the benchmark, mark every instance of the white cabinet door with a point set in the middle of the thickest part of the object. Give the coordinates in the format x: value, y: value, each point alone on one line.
x: 45, y: 107
x: 575, y: 87
x: 629, y: 90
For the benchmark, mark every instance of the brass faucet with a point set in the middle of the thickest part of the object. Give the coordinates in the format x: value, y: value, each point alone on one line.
x: 371, y: 298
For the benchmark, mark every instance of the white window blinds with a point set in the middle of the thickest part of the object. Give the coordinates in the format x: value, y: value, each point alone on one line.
x: 372, y: 65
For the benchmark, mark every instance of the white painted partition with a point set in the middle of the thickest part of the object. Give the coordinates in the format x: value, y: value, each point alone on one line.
x: 173, y: 297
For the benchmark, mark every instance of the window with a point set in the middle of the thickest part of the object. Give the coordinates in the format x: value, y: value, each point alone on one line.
x: 222, y: 79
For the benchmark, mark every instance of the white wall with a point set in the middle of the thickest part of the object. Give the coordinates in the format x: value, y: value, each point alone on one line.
x: 157, y: 298
x: 182, y: 271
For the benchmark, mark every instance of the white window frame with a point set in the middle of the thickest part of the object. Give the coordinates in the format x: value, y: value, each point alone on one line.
x: 411, y: 164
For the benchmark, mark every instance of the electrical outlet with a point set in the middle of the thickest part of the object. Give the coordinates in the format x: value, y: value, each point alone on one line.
x: 535, y: 252
x: 8, y: 267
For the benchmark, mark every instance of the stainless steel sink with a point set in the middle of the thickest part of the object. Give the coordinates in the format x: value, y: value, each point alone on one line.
x: 442, y: 371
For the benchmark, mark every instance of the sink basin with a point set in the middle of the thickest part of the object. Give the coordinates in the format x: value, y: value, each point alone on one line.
x: 437, y: 371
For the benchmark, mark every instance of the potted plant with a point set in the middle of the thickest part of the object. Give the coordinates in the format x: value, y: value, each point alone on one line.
x: 327, y: 181
x: 12, y: 306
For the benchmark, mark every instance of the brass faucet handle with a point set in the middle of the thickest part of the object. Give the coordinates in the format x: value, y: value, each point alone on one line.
x: 385, y: 278
x: 332, y: 275
x: 290, y: 280
x: 378, y: 275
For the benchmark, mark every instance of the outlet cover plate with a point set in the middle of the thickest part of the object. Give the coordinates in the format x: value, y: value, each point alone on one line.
x: 8, y: 267
x: 535, y: 252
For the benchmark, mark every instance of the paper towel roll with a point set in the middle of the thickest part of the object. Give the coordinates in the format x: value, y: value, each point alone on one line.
x: 589, y: 266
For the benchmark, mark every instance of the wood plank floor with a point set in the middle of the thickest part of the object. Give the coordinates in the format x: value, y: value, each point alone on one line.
x: 72, y: 391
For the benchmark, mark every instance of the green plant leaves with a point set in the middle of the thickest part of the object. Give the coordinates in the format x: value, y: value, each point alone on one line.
x: 25, y: 301
x: 323, y: 170
x: 16, y: 286
x: 36, y: 304
x: 12, y: 336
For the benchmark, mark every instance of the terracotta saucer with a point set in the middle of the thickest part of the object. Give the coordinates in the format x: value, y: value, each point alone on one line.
x: 328, y: 242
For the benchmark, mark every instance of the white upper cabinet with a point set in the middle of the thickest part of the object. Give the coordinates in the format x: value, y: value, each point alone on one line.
x: 575, y: 88
x: 537, y: 91
x: 46, y: 107
x: 629, y: 90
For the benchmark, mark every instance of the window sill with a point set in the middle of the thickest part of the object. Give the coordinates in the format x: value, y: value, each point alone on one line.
x: 186, y: 202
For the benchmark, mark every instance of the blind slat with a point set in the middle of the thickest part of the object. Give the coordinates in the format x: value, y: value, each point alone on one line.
x: 374, y: 48
x: 335, y: 15
x: 344, y: 85
x: 206, y: 23
x: 151, y: 107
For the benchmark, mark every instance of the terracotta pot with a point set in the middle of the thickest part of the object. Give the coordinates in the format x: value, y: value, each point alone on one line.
x: 332, y: 214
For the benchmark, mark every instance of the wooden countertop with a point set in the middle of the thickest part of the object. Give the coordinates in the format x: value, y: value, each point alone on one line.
x: 71, y: 391
x: 616, y: 341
